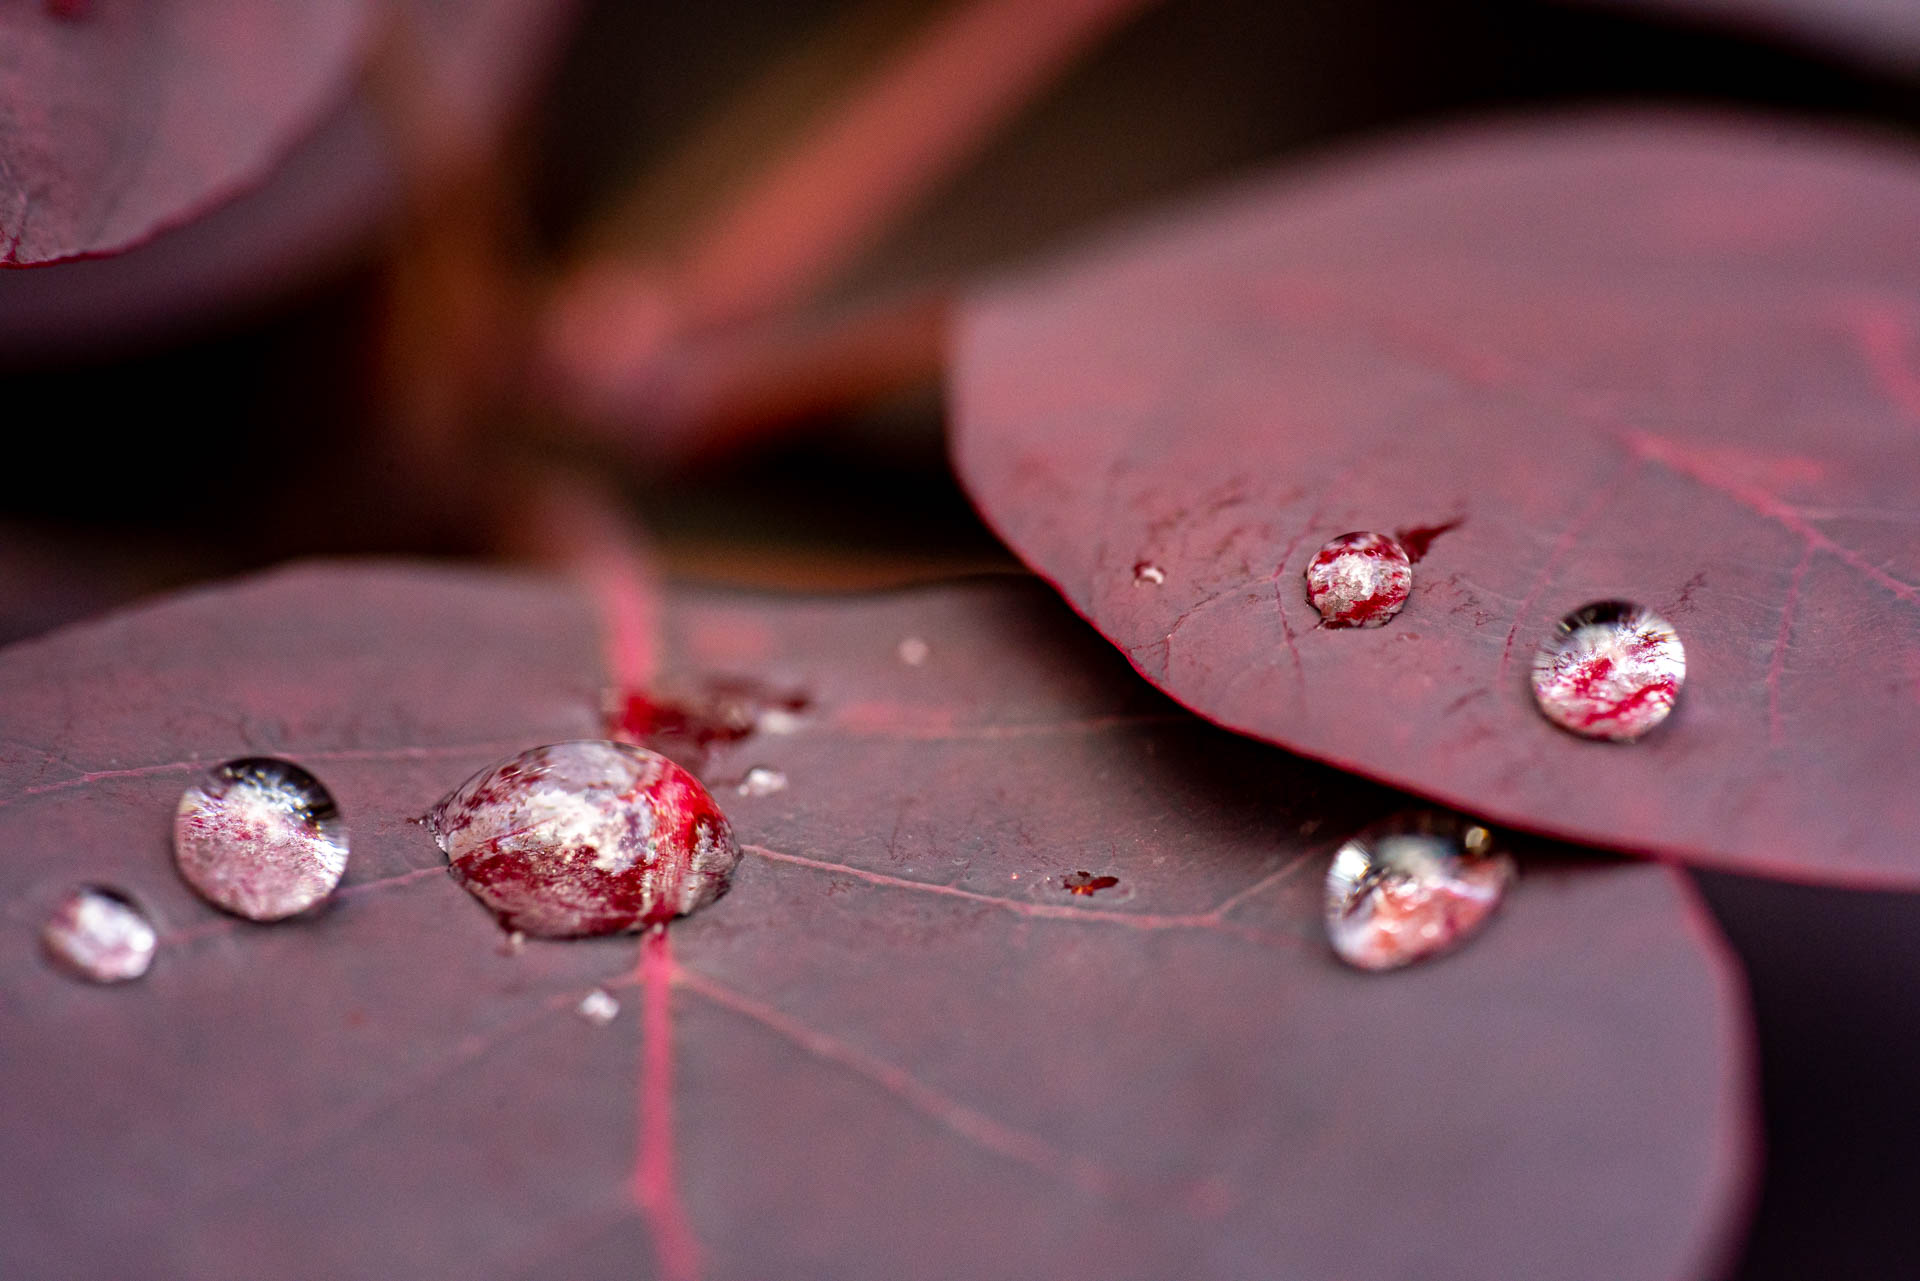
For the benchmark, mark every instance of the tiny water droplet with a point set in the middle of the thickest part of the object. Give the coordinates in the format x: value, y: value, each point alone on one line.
x: 913, y: 651
x: 1411, y: 888
x: 761, y: 781
x: 261, y: 838
x: 598, y: 1008
x: 1609, y: 670
x: 101, y: 935
x: 1087, y: 882
x: 514, y: 943
x: 585, y: 838
x: 1359, y: 580
x: 690, y: 722
x: 1147, y: 574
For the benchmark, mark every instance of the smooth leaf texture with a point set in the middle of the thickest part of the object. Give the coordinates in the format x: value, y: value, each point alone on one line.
x: 898, y: 1047
x: 468, y: 66
x: 1668, y: 360
x: 134, y: 115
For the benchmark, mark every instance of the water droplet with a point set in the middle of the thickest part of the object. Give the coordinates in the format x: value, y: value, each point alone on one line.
x: 1087, y: 882
x: 1412, y: 887
x: 913, y: 651
x: 1609, y: 670
x: 514, y: 943
x: 1147, y: 574
x: 1359, y: 580
x: 761, y: 781
x: 1418, y: 539
x: 586, y: 838
x: 261, y: 838
x: 100, y: 934
x: 598, y: 1008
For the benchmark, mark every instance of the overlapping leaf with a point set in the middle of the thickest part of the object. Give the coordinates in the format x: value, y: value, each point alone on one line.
x: 1659, y: 359
x: 125, y: 118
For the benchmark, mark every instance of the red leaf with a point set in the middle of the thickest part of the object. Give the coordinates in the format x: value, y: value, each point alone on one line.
x: 899, y: 1046
x: 131, y: 117
x: 337, y: 167
x: 1645, y: 358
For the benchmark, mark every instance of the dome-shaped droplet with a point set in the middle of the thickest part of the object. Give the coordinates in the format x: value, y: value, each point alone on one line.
x: 1359, y: 580
x: 1609, y: 670
x: 586, y: 838
x: 261, y: 838
x: 101, y: 935
x: 1411, y: 888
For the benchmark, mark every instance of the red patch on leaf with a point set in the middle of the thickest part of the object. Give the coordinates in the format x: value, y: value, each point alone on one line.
x: 1648, y: 358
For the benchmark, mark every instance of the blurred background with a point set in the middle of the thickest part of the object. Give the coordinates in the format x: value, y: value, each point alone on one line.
x: 685, y: 271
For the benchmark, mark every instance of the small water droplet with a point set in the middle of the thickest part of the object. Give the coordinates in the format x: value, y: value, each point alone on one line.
x: 598, y: 1008
x: 1609, y: 670
x: 585, y: 838
x: 1411, y: 888
x: 1359, y: 580
x: 1087, y: 882
x: 101, y: 935
x: 261, y: 838
x: 1418, y: 539
x: 913, y: 651
x: 761, y: 781
x: 1147, y: 574
x: 514, y: 943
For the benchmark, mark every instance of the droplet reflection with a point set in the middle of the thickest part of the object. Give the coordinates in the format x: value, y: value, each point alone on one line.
x: 586, y: 838
x: 1411, y: 888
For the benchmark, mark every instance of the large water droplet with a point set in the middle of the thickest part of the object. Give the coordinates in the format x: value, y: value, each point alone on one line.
x: 1359, y: 580
x: 1411, y: 888
x: 100, y: 934
x: 1609, y: 670
x: 586, y: 838
x: 261, y: 838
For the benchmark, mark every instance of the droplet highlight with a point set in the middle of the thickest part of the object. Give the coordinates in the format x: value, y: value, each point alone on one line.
x: 913, y: 651
x: 1359, y: 580
x: 1412, y: 888
x: 585, y: 838
x: 100, y: 935
x: 261, y: 838
x: 1147, y: 574
x: 1610, y: 670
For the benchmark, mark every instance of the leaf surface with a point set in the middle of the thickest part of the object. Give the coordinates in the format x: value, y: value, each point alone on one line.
x: 900, y: 1045
x: 1661, y: 359
x: 127, y: 117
